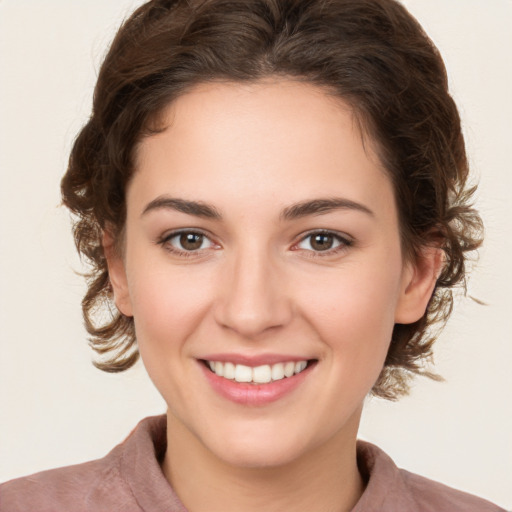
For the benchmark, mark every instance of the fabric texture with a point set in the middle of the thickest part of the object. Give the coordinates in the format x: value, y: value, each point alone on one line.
x: 129, y: 479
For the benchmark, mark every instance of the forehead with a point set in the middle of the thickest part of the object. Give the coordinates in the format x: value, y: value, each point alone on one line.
x: 236, y: 140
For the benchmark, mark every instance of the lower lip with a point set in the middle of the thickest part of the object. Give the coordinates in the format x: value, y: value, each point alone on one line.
x: 254, y: 394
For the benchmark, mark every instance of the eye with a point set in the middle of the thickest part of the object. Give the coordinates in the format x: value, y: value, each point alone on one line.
x: 187, y: 241
x: 323, y: 241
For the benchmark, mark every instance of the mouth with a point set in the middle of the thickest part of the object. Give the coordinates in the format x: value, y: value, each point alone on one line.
x: 263, y: 374
x: 255, y: 381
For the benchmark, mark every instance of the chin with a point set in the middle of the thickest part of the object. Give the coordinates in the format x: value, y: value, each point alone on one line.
x: 251, y: 455
x: 265, y: 444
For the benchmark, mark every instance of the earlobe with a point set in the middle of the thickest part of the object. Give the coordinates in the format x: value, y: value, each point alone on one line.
x: 419, y: 280
x: 117, y: 275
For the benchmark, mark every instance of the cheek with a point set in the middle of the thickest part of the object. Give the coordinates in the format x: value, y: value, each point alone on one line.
x: 167, y: 305
x: 353, y: 312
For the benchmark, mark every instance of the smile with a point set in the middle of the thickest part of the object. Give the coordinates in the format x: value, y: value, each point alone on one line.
x: 259, y: 374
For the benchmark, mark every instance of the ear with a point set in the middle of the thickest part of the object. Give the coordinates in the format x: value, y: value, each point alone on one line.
x: 418, y: 282
x: 117, y: 274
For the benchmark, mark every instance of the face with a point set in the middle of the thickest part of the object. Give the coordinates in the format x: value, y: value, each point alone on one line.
x: 263, y: 268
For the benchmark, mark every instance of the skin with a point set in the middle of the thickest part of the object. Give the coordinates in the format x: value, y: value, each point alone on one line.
x: 258, y: 285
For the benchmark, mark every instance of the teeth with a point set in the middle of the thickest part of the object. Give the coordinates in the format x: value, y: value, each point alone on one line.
x: 242, y: 373
x: 277, y: 371
x: 229, y: 371
x: 262, y: 374
x: 259, y: 374
x: 219, y: 369
x: 289, y: 369
x: 300, y: 366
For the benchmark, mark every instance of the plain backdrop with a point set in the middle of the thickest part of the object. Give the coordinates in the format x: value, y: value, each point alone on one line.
x: 57, y: 409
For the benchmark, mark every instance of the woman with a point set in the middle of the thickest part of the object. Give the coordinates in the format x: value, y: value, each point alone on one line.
x: 273, y: 195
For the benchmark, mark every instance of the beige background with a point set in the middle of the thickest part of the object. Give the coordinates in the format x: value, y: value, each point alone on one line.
x: 56, y: 409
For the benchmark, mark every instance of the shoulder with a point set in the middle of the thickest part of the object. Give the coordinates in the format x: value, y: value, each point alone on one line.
x: 81, y: 487
x: 433, y: 496
x: 391, y: 489
x: 105, y: 484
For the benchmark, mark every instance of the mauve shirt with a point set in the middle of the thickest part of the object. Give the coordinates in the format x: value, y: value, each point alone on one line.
x: 129, y: 479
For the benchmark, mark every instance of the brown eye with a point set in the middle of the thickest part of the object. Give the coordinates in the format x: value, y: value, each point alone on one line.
x: 187, y: 241
x: 191, y: 241
x: 322, y: 242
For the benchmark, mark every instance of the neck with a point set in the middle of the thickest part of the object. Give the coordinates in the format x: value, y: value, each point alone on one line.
x: 323, y: 479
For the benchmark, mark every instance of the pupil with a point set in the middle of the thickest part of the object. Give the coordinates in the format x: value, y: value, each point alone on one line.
x: 191, y: 241
x: 322, y: 242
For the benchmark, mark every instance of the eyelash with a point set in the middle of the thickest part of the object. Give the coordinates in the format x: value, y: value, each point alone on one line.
x: 165, y: 240
x: 344, y: 243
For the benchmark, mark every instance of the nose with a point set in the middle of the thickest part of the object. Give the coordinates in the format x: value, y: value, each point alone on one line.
x: 252, y: 297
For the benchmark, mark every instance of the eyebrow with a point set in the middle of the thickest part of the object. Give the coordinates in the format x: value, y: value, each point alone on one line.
x: 295, y: 211
x: 322, y: 206
x: 197, y: 208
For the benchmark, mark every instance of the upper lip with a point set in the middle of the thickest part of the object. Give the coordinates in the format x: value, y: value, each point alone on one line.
x: 254, y: 360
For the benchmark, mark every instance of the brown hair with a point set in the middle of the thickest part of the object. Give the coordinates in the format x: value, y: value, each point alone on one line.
x: 371, y: 53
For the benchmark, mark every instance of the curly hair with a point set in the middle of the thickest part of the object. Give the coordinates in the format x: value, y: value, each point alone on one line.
x: 371, y: 53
